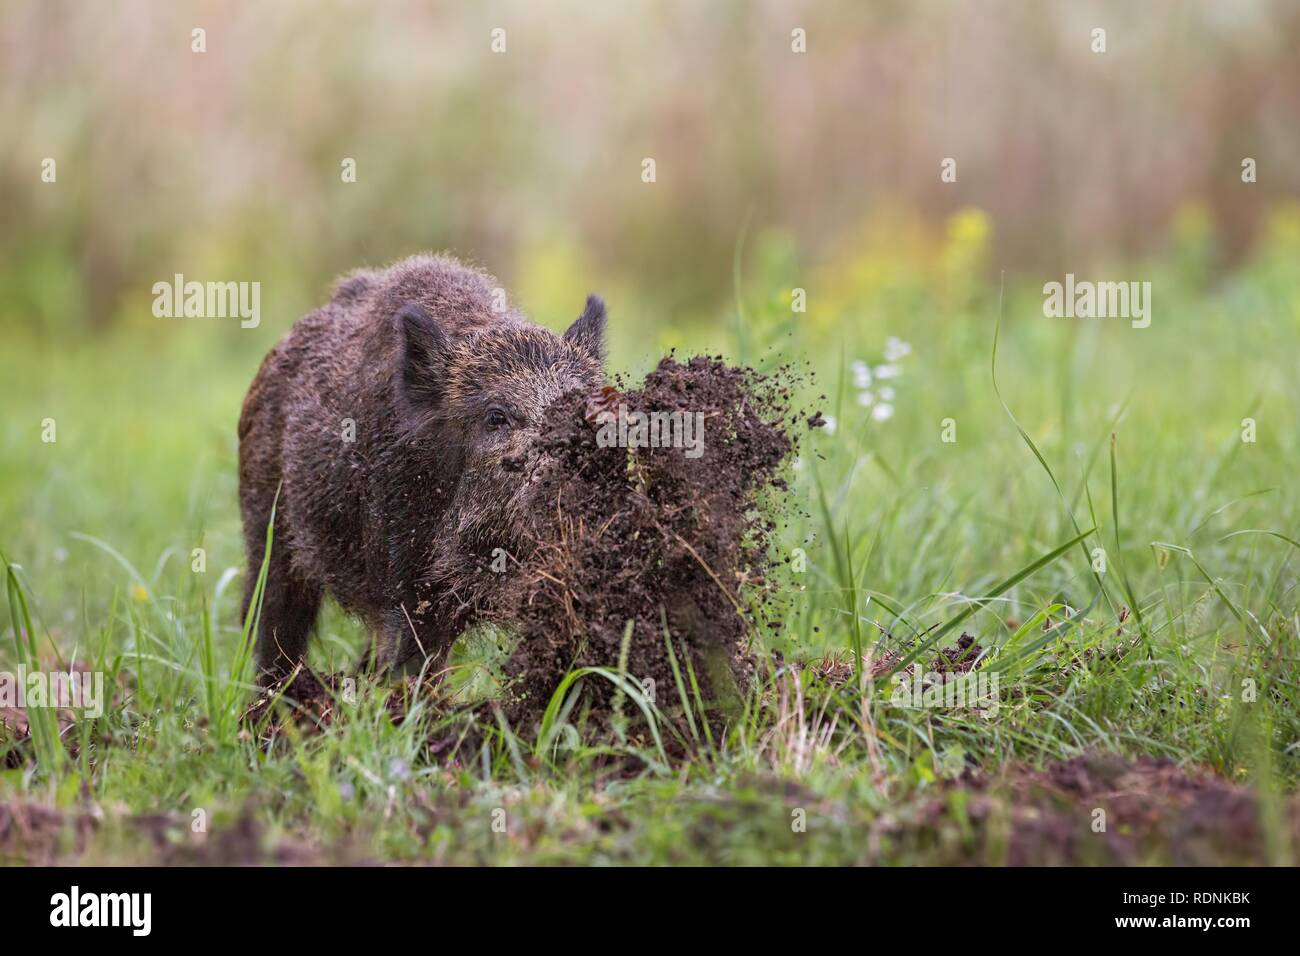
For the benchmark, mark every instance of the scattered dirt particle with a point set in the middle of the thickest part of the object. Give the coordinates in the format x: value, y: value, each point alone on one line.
x: 960, y: 657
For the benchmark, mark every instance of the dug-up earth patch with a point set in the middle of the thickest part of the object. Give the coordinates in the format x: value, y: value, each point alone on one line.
x: 1100, y: 809
x: 1092, y: 810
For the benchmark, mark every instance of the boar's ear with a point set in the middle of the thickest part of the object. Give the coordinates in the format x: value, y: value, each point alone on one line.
x: 421, y: 355
x: 588, y: 330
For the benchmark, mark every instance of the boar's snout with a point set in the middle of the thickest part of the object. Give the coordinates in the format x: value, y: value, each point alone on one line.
x: 529, y: 458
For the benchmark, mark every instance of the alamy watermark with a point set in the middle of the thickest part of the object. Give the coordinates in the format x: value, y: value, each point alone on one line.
x: 130, y: 910
x: 82, y: 690
x: 974, y: 690
x: 1098, y: 300
x: 179, y: 299
x: 626, y: 429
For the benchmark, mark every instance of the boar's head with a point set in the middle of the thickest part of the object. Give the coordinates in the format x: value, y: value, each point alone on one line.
x: 476, y: 403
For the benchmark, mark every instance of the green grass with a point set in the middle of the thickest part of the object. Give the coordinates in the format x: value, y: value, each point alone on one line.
x: 1077, y: 436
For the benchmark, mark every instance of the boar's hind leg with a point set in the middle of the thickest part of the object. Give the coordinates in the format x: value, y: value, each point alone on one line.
x: 289, y: 608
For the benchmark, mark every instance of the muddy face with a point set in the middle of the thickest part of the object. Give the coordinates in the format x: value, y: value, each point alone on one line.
x: 497, y: 399
x: 478, y: 403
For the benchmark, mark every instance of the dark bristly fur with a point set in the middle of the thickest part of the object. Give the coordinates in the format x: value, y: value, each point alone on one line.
x: 445, y: 395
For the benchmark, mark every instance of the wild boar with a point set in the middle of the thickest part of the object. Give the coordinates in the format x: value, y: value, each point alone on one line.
x: 398, y: 425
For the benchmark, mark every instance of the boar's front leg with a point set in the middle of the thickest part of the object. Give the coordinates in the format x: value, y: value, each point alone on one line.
x: 418, y: 635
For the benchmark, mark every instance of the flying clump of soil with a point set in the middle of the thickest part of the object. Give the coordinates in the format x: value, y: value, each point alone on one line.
x: 651, y: 538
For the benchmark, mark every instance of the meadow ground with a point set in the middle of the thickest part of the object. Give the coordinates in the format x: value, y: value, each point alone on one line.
x: 1126, y: 565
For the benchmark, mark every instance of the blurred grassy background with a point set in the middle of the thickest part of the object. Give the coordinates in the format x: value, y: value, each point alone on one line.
x: 226, y: 164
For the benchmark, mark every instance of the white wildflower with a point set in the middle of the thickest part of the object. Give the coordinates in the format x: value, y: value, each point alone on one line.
x: 896, y: 348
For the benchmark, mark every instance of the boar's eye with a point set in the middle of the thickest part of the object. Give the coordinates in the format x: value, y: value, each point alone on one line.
x: 494, y: 419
